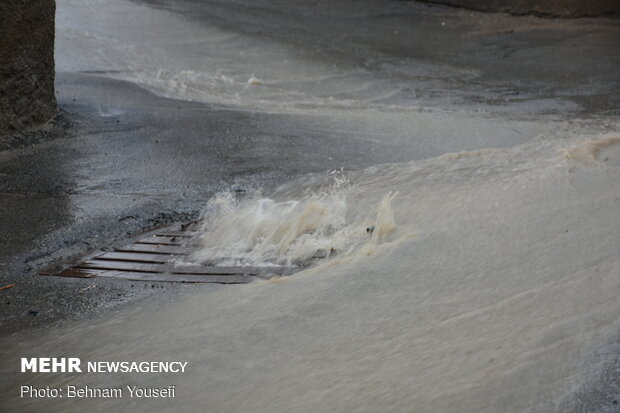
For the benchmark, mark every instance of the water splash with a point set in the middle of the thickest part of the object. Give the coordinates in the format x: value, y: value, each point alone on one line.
x: 262, y: 231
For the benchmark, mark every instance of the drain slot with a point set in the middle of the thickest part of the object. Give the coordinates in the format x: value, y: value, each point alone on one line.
x: 153, y: 258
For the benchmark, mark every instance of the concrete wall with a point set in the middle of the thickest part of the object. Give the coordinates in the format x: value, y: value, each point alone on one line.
x: 26, y: 63
x: 565, y: 8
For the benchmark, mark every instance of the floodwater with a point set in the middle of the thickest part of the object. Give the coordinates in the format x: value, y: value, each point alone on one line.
x: 485, y: 279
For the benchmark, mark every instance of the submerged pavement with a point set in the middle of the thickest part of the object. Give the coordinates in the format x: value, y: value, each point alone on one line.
x: 399, y: 81
x: 120, y: 159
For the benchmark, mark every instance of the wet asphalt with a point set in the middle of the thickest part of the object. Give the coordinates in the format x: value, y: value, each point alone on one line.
x: 91, y: 179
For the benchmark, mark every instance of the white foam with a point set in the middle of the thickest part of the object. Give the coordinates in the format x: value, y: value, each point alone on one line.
x: 262, y: 231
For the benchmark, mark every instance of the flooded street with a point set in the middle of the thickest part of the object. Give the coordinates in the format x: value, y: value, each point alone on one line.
x: 447, y: 181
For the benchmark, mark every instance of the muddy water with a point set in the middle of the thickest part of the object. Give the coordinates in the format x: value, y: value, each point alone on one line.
x: 496, y: 289
x: 481, y: 277
x: 263, y: 232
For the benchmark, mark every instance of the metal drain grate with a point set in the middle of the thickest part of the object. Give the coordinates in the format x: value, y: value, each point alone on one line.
x: 153, y: 257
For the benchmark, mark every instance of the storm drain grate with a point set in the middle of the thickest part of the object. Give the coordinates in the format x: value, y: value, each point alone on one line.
x: 153, y: 257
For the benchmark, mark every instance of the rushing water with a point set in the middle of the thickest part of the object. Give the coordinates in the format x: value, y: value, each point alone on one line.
x: 478, y: 281
x: 262, y: 231
x: 494, y: 289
